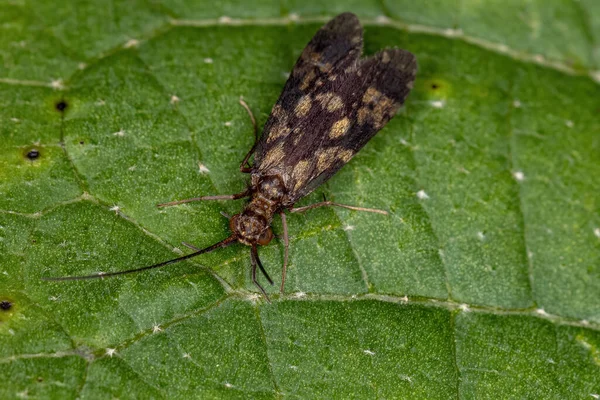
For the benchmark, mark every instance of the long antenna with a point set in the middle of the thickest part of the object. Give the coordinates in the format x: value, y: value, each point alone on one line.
x: 262, y: 269
x: 224, y: 243
x: 254, y: 261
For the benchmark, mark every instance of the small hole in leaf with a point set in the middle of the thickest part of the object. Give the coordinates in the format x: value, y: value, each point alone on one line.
x: 40, y: 379
x: 33, y: 154
x: 81, y: 142
x: 434, y: 86
x: 61, y: 105
x: 5, y: 305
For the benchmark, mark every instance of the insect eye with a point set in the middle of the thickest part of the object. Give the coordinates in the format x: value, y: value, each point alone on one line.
x: 265, y: 237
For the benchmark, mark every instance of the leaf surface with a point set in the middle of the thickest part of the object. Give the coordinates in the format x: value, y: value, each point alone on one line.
x: 482, y: 283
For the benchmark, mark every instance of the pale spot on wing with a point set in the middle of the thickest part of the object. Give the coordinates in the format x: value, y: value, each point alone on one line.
x: 280, y: 128
x: 331, y: 152
x: 363, y: 113
x: 277, y: 131
x: 315, y: 58
x: 335, y: 103
x: 323, y: 98
x: 303, y: 106
x: 308, y: 78
x: 371, y: 95
x: 385, y: 57
x: 325, y: 67
x: 300, y: 173
x: 345, y: 155
x: 339, y: 128
x: 278, y: 111
x: 330, y: 101
x: 327, y: 157
x: 378, y: 108
x: 323, y: 161
x: 274, y: 155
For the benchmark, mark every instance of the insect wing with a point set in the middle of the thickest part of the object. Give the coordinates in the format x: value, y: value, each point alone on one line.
x: 336, y: 47
x: 317, y: 127
x: 385, y: 81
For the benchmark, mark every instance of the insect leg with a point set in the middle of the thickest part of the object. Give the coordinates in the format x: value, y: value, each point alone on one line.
x: 190, y: 246
x: 286, y: 245
x: 331, y: 203
x: 247, y: 169
x: 236, y: 196
x: 245, y: 165
x: 254, y: 261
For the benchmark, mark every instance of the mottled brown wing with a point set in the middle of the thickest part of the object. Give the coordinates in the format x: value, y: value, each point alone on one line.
x: 386, y: 79
x: 334, y: 49
x: 310, y: 140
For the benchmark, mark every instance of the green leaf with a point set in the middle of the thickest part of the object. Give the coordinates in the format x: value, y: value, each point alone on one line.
x: 483, y: 282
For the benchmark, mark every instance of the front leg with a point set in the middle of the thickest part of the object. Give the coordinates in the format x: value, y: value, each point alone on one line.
x: 245, y: 166
x: 236, y: 196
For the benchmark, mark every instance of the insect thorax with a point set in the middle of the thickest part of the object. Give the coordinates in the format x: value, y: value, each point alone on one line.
x: 252, y: 226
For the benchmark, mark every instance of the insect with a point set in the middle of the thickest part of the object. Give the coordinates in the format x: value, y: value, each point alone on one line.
x: 332, y: 104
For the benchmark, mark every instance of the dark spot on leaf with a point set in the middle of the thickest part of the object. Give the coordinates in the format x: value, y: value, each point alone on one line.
x: 81, y: 142
x: 5, y: 305
x: 434, y: 86
x: 61, y: 105
x: 33, y: 154
x: 40, y: 379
